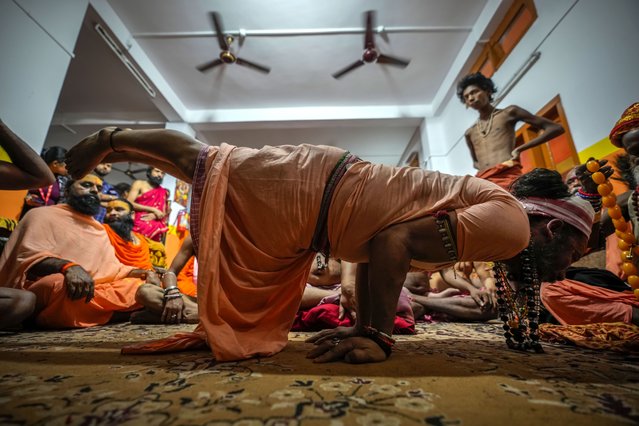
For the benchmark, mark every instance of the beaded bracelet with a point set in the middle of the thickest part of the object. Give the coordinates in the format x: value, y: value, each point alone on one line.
x: 588, y: 195
x: 66, y: 266
x: 383, y: 340
x: 593, y: 199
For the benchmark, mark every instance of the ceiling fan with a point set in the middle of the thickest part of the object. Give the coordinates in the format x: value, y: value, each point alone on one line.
x: 226, y: 56
x: 370, y: 52
x: 130, y: 172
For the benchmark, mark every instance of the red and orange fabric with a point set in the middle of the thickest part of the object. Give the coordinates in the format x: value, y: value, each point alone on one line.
x: 501, y: 174
x: 59, y: 231
x: 129, y: 253
x: 187, y: 278
x: 629, y: 120
x: 256, y: 218
x: 575, y: 303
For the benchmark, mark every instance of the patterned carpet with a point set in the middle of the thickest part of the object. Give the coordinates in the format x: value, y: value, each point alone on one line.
x: 448, y: 374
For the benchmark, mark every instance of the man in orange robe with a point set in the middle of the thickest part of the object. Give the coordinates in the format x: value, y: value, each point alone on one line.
x: 63, y: 255
x: 130, y: 247
x: 259, y: 217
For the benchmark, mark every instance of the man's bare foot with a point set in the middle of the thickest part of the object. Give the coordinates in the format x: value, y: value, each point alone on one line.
x: 145, y: 317
x: 89, y: 152
x: 190, y: 316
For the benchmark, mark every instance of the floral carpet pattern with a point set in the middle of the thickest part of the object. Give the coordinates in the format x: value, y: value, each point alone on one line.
x: 447, y: 374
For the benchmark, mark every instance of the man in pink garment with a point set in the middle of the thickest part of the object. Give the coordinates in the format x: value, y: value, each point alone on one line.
x: 150, y: 202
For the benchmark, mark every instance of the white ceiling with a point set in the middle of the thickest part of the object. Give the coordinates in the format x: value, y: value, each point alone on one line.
x: 374, y: 111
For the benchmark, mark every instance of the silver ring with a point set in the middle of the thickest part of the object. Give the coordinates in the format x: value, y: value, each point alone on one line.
x: 335, y: 341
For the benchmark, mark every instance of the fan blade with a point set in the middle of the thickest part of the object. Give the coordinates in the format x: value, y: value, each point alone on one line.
x: 349, y: 68
x: 390, y: 60
x: 369, y: 37
x: 208, y: 65
x: 253, y: 65
x: 219, y: 30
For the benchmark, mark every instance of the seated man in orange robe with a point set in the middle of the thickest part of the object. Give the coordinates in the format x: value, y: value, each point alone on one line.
x: 130, y: 247
x: 63, y: 255
x: 170, y: 303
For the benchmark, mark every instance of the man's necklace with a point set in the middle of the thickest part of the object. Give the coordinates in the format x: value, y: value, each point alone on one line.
x: 489, y: 124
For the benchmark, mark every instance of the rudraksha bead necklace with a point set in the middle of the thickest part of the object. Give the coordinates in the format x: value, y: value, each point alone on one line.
x: 519, y: 309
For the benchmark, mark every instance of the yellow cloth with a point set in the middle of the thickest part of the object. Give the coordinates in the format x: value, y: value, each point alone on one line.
x: 258, y: 212
x: 60, y: 232
x: 4, y: 156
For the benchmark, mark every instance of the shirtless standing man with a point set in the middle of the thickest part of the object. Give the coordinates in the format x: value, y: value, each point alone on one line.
x: 491, y: 139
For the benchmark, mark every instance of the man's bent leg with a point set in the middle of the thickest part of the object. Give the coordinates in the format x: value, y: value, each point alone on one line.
x: 15, y: 306
x: 159, y: 147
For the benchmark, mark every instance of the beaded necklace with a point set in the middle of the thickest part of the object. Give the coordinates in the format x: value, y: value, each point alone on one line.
x: 627, y: 241
x: 519, y: 309
x: 485, y: 131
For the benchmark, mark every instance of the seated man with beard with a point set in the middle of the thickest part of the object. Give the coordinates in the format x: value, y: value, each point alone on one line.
x: 130, y: 247
x: 63, y: 255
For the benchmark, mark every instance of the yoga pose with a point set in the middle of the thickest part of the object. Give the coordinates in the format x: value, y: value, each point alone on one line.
x: 260, y: 216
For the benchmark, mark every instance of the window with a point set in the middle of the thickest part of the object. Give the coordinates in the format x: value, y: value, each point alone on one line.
x: 512, y: 28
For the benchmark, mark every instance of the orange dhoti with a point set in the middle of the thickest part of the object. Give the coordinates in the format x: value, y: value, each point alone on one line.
x: 254, y: 214
x: 501, y: 174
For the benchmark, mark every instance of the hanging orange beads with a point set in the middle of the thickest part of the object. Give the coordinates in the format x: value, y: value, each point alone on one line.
x: 627, y: 241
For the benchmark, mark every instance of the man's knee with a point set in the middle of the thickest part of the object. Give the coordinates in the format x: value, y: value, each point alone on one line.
x: 147, y: 293
x: 25, y: 304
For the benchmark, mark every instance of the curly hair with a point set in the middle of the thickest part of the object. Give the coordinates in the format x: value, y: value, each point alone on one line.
x: 542, y: 183
x: 476, y: 79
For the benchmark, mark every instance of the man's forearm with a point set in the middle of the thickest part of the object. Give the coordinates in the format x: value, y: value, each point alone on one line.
x: 47, y: 266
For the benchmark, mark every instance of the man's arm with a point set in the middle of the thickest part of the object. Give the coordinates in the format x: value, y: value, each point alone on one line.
x: 182, y: 256
x: 550, y: 129
x: 471, y: 148
x: 27, y: 169
x: 77, y: 280
x: 459, y: 282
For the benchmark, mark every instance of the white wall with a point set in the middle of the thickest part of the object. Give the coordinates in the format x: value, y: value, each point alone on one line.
x: 590, y: 60
x: 36, y: 42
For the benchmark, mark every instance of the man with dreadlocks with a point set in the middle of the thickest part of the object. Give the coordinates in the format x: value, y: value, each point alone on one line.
x: 491, y: 139
x: 260, y: 215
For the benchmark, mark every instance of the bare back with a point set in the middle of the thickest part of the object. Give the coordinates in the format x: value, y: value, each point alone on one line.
x: 493, y: 140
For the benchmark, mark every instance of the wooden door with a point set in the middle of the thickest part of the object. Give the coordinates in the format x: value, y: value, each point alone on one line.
x: 557, y: 154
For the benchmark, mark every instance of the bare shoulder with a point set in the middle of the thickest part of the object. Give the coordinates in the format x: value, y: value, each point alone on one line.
x: 515, y: 111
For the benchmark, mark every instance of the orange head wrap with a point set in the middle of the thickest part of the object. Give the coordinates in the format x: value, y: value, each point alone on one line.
x: 629, y: 120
